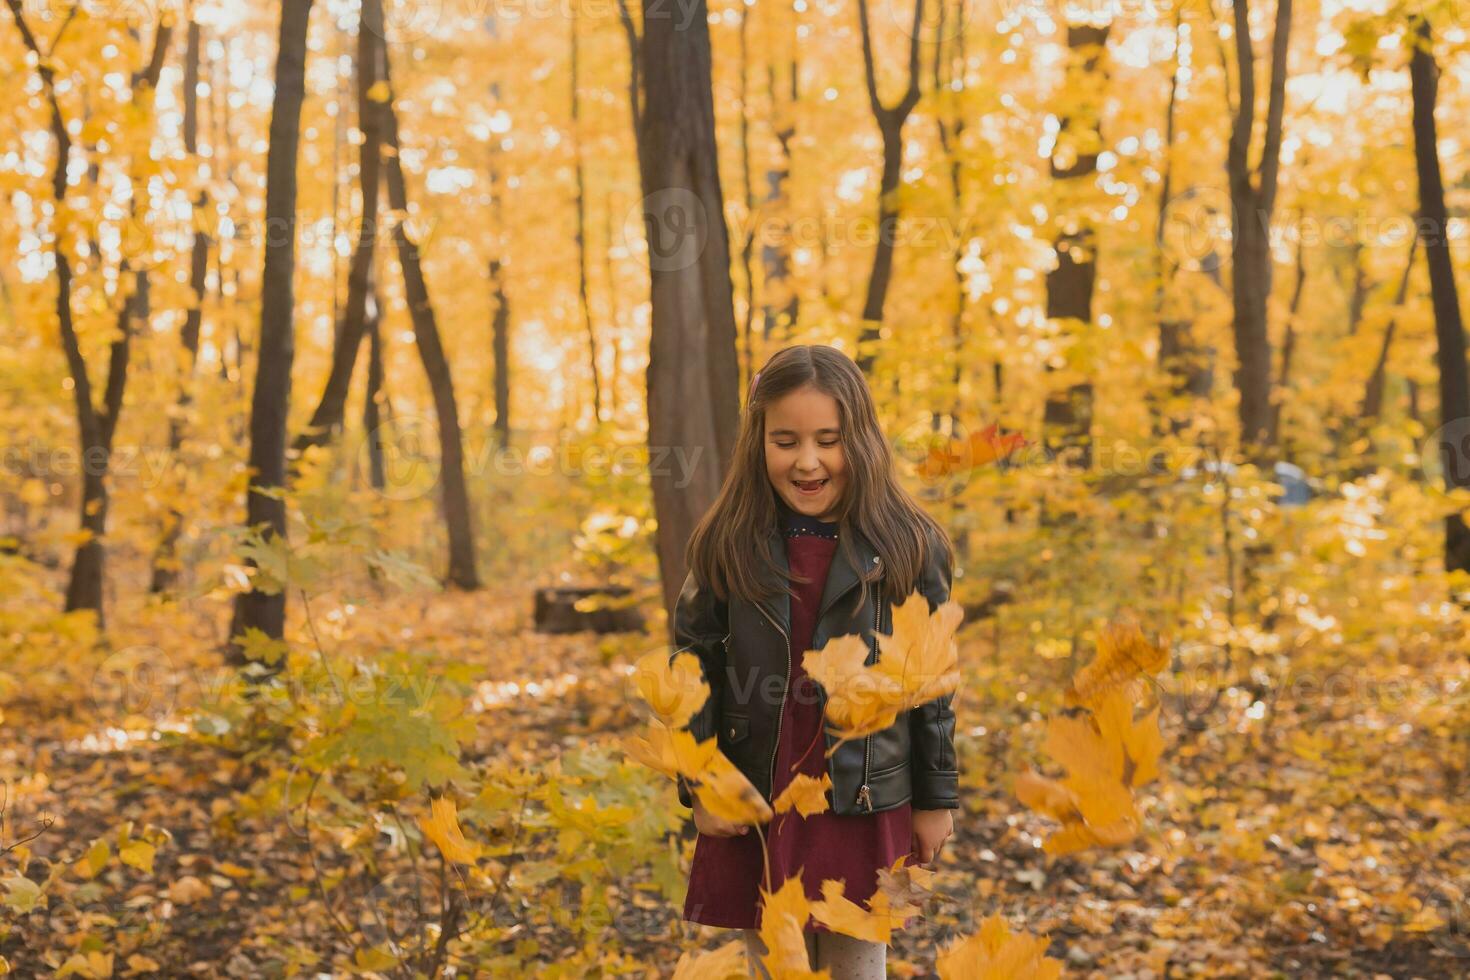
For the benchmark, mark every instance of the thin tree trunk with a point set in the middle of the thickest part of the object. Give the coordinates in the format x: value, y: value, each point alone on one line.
x: 500, y: 345
x: 265, y: 509
x: 1372, y: 410
x: 693, y: 371
x: 1449, y: 327
x: 781, y: 304
x: 331, y: 409
x: 581, y: 184
x: 459, y: 524
x: 95, y: 427
x: 1187, y: 367
x: 1253, y: 201
x: 1067, y: 416
x: 949, y: 119
x: 1288, y: 343
x: 891, y: 121
x: 747, y: 243
x: 372, y: 408
x: 165, y: 558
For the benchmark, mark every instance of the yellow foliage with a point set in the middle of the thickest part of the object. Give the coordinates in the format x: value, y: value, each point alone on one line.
x: 442, y: 827
x: 841, y: 914
x: 1105, y: 751
x: 805, y: 794
x: 725, y: 963
x: 996, y: 953
x: 917, y: 663
x: 674, y: 688
x: 783, y: 918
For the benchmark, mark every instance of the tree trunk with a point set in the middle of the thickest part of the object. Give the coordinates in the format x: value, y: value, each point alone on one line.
x: 500, y: 346
x: 1449, y: 328
x: 458, y: 522
x: 1372, y: 409
x: 372, y: 404
x: 583, y: 301
x: 891, y: 121
x: 693, y: 371
x: 331, y: 409
x: 265, y: 510
x: 1067, y: 416
x: 95, y: 427
x: 780, y: 302
x: 1253, y: 202
x: 747, y: 238
x: 165, y: 558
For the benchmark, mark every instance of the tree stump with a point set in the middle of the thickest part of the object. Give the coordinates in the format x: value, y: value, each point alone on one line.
x: 557, y: 612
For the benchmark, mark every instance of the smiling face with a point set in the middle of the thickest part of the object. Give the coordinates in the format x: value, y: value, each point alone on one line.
x: 804, y: 455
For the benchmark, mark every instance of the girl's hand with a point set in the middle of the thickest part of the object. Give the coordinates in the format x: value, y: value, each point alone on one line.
x: 931, y: 829
x: 712, y: 826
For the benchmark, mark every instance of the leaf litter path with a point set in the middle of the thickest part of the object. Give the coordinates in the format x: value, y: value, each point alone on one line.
x: 1289, y: 835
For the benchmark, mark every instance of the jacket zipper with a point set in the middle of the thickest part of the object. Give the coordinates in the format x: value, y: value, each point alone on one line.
x: 864, y: 795
x: 781, y: 709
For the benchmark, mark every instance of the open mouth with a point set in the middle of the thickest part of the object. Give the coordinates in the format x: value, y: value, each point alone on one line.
x: 809, y: 487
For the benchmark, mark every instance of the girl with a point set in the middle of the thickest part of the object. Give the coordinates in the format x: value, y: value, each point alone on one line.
x: 811, y: 537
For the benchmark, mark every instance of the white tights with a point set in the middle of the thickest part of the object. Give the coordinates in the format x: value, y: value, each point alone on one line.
x: 845, y: 957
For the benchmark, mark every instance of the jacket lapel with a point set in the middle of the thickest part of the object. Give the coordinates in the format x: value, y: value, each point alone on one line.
x: 842, y: 577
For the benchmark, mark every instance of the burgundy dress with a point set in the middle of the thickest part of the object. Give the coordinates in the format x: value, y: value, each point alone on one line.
x: 728, y: 872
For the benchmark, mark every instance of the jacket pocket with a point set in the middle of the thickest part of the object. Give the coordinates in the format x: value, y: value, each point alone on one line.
x: 734, y: 728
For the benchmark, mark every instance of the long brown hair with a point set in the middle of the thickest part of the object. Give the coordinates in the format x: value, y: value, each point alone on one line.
x: 720, y: 552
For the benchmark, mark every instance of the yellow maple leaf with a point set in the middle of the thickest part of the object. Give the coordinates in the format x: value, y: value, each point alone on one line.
x: 805, y: 794
x: 673, y: 687
x: 996, y: 953
x: 725, y: 963
x: 1123, y: 655
x: 726, y: 793
x: 442, y: 827
x: 860, y: 701
x: 921, y: 655
x: 841, y: 914
x: 906, y: 887
x: 916, y: 663
x: 673, y: 753
x: 783, y: 921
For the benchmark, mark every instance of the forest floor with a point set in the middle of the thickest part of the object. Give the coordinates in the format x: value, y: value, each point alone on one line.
x: 1289, y: 833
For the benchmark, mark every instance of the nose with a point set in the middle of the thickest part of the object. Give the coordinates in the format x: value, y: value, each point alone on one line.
x: 807, y: 460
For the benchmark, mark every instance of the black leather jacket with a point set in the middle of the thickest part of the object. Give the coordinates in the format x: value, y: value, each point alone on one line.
x: 744, y: 648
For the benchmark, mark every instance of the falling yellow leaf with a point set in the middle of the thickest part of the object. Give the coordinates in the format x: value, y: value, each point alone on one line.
x: 726, y: 793
x: 783, y: 921
x: 995, y: 953
x: 674, y: 688
x: 840, y: 914
x: 1123, y: 655
x: 726, y: 963
x: 805, y: 794
x: 917, y: 663
x: 670, y: 753
x: 380, y: 91
x: 442, y: 827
